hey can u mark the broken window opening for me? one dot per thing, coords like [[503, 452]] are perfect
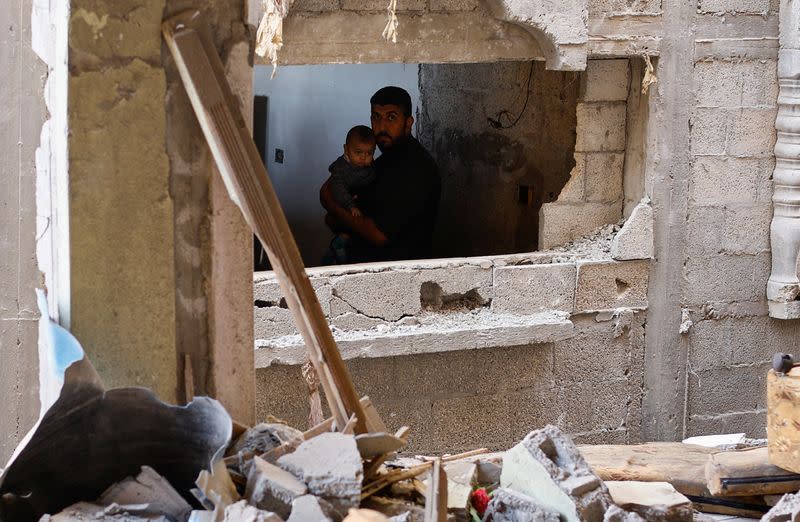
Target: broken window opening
[[560, 174]]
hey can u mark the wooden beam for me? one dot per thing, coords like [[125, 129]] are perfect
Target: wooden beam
[[436, 500], [249, 186]]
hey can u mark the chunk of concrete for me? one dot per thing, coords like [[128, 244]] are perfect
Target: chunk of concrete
[[88, 512], [309, 508], [331, 468], [243, 512], [786, 510], [548, 467], [460, 477], [654, 501], [264, 437], [635, 239], [272, 488], [151, 489], [510, 506], [371, 445], [617, 514]]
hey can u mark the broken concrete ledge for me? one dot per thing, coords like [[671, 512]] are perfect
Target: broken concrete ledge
[[433, 333]]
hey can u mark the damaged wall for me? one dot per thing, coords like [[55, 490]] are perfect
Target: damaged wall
[[485, 170], [21, 120], [161, 258]]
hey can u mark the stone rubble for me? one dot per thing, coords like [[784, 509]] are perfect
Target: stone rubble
[[330, 465], [544, 478], [548, 467]]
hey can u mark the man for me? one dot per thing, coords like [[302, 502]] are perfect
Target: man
[[400, 206]]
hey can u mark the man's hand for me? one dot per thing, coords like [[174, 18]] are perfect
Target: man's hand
[[355, 212], [363, 226]]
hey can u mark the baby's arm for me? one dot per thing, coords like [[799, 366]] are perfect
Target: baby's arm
[[340, 190]]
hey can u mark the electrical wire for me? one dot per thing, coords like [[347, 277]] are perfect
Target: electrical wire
[[496, 122]]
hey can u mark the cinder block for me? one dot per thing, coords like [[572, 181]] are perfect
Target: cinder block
[[635, 239], [605, 80], [601, 406], [300, 6], [269, 292], [600, 127], [752, 423], [380, 5], [733, 6], [454, 425], [392, 294], [721, 180], [560, 223], [532, 288], [747, 229], [751, 132], [710, 346], [593, 355], [726, 278], [705, 226], [281, 392], [455, 5], [736, 83], [599, 7], [754, 340], [532, 409], [727, 390], [574, 191], [604, 177], [604, 285], [708, 130]]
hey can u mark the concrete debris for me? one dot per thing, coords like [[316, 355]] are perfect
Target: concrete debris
[[548, 467], [617, 514], [510, 506], [331, 468], [151, 489], [108, 433], [786, 510], [460, 479], [243, 512], [272, 488], [635, 238], [596, 245], [264, 437], [88, 512], [309, 508], [686, 322], [653, 501], [372, 445]]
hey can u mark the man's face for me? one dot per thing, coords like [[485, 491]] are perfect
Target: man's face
[[389, 125]]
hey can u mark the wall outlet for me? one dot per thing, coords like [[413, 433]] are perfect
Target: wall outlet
[[278, 155]]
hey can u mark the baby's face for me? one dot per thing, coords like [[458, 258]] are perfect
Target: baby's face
[[360, 153]]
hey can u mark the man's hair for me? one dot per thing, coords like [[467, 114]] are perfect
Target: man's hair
[[393, 96], [360, 133]]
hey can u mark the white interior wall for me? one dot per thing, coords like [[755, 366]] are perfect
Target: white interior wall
[[311, 108]]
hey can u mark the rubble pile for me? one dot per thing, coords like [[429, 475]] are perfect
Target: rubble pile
[[275, 473]]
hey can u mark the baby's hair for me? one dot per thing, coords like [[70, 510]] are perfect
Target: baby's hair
[[360, 133]]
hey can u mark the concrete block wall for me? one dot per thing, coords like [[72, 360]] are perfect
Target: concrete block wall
[[593, 196], [727, 259], [589, 382], [589, 385]]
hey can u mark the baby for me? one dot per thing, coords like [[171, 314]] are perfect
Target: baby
[[351, 171]]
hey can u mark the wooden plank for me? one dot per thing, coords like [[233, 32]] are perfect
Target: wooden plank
[[748, 472], [249, 186], [783, 419], [436, 499]]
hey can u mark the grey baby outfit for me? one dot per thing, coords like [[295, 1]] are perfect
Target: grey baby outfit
[[347, 178]]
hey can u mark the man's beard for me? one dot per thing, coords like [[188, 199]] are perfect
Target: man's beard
[[383, 144]]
